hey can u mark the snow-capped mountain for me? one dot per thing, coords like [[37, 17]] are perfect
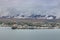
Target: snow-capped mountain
[[15, 13], [17, 8]]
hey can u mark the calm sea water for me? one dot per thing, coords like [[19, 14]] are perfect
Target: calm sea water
[[36, 34]]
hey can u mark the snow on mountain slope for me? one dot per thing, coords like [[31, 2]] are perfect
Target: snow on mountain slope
[[27, 7]]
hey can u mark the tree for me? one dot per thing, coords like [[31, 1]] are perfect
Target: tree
[[53, 24], [0, 22]]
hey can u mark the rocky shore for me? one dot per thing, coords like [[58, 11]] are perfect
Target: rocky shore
[[15, 26]]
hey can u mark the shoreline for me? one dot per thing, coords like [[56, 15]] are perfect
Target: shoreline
[[32, 28]]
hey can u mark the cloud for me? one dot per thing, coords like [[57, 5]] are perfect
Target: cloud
[[30, 6]]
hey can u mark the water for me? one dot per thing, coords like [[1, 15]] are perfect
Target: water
[[36, 34]]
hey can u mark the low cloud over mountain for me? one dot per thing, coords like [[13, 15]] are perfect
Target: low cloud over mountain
[[28, 7]]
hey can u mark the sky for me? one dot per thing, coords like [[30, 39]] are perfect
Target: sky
[[27, 7]]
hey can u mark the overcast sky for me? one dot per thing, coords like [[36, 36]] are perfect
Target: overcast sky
[[40, 6]]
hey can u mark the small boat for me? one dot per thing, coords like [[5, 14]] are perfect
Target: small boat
[[14, 27]]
